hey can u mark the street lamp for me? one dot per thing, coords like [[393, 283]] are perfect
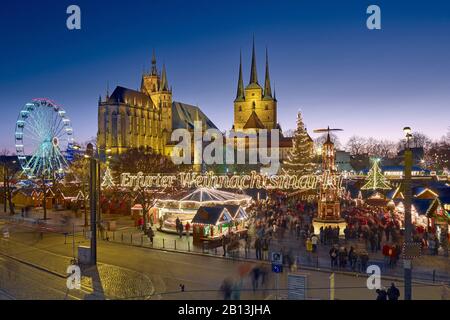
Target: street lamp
[[407, 262], [93, 193]]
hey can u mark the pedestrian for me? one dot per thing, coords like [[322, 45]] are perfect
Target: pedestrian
[[226, 289], [150, 234], [364, 259], [258, 248], [333, 256], [187, 228], [381, 294], [314, 241], [352, 258], [255, 273], [236, 290], [393, 293], [265, 248], [224, 245], [321, 235]]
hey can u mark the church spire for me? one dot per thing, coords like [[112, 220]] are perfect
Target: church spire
[[240, 88], [154, 72], [267, 88], [253, 74], [164, 85]]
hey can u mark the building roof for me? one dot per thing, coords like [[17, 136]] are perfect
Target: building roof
[[236, 212], [129, 96], [254, 122], [184, 115], [421, 205], [212, 215]]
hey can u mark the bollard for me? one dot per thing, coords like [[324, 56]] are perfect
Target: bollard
[[434, 276], [122, 237], [189, 246], [142, 240], [163, 243], [114, 235], [106, 235], [131, 238], [175, 244]]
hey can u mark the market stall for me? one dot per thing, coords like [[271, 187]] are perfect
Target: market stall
[[168, 210], [210, 224], [239, 216]]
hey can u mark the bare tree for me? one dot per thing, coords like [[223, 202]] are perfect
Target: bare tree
[[143, 160], [9, 169], [319, 141], [421, 140], [356, 145], [79, 173]]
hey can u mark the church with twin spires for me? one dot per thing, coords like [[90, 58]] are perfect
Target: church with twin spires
[[146, 117], [255, 107]]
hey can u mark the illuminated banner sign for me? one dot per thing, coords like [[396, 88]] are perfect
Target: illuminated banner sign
[[211, 180]]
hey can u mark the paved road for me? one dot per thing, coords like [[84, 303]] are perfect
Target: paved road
[[201, 275]]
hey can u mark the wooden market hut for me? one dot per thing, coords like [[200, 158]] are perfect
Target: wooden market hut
[[239, 217], [24, 197], [438, 215], [210, 224]]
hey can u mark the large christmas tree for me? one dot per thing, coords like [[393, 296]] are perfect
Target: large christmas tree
[[300, 160], [375, 179]]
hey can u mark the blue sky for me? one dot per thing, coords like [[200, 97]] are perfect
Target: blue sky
[[323, 59]]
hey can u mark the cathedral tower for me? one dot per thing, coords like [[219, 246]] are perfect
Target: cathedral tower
[[156, 86], [255, 107]]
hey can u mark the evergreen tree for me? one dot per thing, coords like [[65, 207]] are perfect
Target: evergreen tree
[[300, 160], [108, 180], [375, 179]]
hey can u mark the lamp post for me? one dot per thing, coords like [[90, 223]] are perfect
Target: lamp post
[[93, 193], [407, 262]]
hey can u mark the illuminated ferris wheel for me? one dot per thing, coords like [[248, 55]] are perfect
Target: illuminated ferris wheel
[[43, 136]]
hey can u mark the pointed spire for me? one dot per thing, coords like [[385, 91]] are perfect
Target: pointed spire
[[267, 88], [240, 88], [154, 72], [164, 85], [107, 90], [253, 73]]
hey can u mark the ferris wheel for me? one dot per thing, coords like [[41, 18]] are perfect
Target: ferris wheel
[[43, 136]]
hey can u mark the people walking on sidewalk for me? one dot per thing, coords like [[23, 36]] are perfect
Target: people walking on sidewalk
[[393, 293], [150, 234], [258, 248], [333, 256]]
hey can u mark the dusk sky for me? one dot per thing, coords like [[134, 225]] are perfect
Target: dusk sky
[[323, 59]]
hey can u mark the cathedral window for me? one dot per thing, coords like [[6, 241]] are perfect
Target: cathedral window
[[240, 108], [267, 107]]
